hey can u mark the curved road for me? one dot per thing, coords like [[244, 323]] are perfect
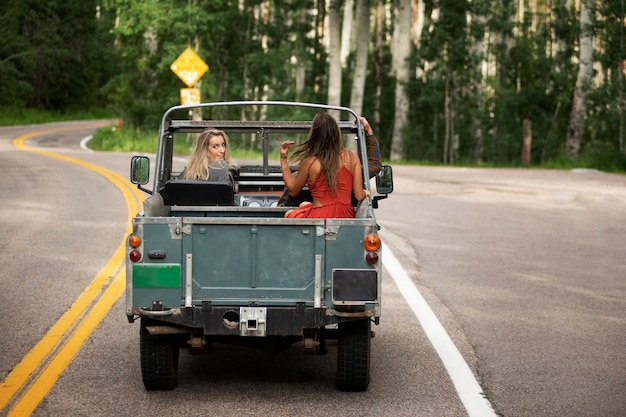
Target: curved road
[[526, 269]]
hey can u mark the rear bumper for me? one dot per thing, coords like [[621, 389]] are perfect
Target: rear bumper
[[251, 321]]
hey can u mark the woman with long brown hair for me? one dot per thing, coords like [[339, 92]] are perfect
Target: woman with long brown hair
[[333, 173]]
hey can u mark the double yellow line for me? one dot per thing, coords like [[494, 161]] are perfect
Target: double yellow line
[[31, 380]]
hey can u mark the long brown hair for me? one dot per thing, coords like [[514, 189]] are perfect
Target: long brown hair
[[324, 143], [200, 162]]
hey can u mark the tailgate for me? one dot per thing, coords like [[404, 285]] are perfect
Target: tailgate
[[234, 260]]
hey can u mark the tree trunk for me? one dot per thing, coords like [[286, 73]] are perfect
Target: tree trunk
[[585, 69], [527, 142], [360, 66], [620, 74], [446, 118], [378, 64], [418, 21], [334, 55], [402, 50], [347, 32], [479, 87], [320, 38], [300, 72]]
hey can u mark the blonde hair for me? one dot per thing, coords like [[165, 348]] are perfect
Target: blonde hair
[[200, 161]]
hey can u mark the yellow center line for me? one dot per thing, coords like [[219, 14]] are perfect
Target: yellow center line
[[110, 278]]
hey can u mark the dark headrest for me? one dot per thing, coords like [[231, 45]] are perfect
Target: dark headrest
[[197, 193]]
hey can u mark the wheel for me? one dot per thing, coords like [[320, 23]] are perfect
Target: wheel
[[159, 360], [353, 355]]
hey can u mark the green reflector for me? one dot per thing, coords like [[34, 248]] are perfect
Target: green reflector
[[156, 275]]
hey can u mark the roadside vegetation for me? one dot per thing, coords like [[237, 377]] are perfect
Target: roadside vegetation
[[598, 156], [118, 138], [452, 82], [16, 115]]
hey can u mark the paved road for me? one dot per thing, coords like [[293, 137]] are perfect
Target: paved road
[[531, 267], [53, 260], [526, 270]]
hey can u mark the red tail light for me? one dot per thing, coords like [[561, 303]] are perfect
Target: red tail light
[[134, 255], [371, 258]]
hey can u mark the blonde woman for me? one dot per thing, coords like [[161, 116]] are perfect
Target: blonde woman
[[210, 159]]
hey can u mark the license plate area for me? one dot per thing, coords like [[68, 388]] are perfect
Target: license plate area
[[355, 286]]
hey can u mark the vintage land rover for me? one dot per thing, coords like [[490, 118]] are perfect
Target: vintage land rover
[[217, 262]]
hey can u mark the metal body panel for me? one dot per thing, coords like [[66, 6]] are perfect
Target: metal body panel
[[232, 261], [252, 261]]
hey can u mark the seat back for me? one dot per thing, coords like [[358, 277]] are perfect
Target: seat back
[[198, 193]]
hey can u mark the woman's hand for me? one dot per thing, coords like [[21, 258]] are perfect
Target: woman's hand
[[284, 148], [366, 126]]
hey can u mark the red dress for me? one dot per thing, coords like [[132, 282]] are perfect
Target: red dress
[[334, 205]]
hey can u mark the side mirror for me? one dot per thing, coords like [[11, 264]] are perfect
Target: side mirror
[[384, 180], [384, 184], [140, 170]]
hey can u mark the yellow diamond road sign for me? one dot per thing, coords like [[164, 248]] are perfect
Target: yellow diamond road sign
[[189, 67]]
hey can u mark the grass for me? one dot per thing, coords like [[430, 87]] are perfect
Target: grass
[[600, 156], [12, 116], [114, 139]]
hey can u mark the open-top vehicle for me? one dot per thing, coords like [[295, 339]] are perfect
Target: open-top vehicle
[[217, 262]]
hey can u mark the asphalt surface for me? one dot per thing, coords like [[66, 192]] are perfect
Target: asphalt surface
[[526, 269], [531, 265]]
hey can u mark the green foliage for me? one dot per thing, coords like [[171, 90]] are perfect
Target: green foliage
[[61, 57], [485, 111], [602, 156], [50, 57], [596, 155]]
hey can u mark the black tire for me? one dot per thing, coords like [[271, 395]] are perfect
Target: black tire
[[159, 360], [353, 355]]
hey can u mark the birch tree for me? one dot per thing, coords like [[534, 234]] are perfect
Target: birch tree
[[334, 55], [299, 53], [378, 62], [585, 71], [402, 50], [347, 33], [360, 64], [480, 89]]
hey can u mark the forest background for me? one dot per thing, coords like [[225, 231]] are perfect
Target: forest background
[[488, 82]]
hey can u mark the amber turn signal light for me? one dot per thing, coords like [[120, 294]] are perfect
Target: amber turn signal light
[[371, 242], [134, 241]]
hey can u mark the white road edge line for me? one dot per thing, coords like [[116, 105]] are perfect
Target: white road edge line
[[84, 142], [467, 387]]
